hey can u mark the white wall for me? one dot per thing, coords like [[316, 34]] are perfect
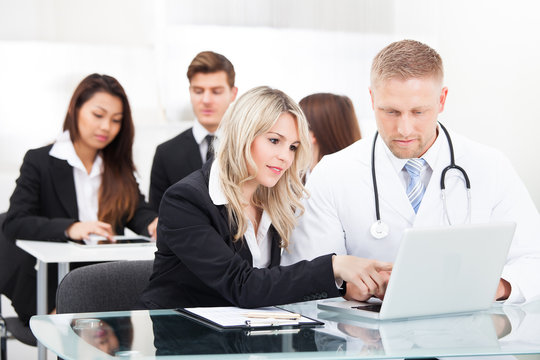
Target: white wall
[[492, 62], [301, 46], [490, 48]]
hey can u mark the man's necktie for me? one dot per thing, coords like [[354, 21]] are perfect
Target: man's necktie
[[415, 189], [210, 141]]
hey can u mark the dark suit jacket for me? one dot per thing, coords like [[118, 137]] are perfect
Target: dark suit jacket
[[198, 263], [173, 161], [42, 207]]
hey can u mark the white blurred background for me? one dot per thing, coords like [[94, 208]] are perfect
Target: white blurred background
[[490, 49]]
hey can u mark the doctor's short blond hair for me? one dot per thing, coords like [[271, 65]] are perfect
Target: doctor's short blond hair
[[404, 60], [254, 114]]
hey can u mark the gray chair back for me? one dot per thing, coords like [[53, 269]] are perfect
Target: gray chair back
[[112, 286]]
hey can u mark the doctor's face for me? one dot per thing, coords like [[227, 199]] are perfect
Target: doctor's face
[[406, 113]]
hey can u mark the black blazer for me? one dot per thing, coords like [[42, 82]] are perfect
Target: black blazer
[[44, 203], [197, 263], [173, 161], [42, 207]]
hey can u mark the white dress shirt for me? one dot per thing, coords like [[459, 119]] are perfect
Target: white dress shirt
[[259, 244], [86, 185], [430, 157], [199, 133]]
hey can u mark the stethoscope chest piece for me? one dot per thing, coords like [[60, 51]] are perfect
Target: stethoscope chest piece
[[379, 230]]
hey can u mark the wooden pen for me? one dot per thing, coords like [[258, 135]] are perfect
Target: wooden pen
[[271, 315]]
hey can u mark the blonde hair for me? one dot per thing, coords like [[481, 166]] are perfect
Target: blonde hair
[[253, 114], [404, 60]]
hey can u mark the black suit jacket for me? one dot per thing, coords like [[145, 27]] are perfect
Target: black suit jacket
[[44, 203], [173, 161], [42, 207], [197, 263]]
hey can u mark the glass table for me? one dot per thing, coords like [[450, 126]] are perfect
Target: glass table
[[168, 334]]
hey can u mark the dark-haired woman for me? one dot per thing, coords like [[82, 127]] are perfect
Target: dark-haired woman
[[332, 123], [82, 184]]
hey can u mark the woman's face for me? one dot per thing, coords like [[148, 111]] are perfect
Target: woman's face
[[99, 334], [99, 121], [274, 151]]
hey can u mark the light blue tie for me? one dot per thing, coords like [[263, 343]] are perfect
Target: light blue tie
[[415, 189]]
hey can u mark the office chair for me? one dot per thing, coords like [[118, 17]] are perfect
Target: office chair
[[111, 286]]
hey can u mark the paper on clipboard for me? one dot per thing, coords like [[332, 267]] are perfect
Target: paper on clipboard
[[228, 317]]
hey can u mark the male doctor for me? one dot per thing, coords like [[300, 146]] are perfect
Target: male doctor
[[407, 94]]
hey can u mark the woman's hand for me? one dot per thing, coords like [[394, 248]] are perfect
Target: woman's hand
[[82, 230], [354, 293], [369, 277], [152, 229]]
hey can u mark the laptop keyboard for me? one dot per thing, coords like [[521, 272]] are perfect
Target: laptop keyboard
[[370, 307]]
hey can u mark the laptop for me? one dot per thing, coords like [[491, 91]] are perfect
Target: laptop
[[439, 271]]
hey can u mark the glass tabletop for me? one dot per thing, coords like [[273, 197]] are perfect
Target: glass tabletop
[[169, 334]]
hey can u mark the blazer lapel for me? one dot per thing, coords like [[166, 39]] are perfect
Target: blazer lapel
[[391, 191], [193, 154], [239, 246], [431, 205], [64, 185], [275, 249]]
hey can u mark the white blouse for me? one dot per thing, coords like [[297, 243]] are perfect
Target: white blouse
[[86, 185], [259, 244]]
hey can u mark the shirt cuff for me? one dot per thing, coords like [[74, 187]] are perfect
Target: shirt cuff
[[342, 287]]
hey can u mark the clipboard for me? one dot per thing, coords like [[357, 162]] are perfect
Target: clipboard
[[235, 318]]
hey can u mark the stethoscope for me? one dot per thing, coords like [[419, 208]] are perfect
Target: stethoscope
[[380, 229]]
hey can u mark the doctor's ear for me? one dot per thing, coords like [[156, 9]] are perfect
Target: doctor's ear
[[442, 98], [371, 95]]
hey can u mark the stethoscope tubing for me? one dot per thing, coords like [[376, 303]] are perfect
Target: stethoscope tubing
[[379, 229]]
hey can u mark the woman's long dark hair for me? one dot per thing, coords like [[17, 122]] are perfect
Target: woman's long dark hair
[[332, 120], [119, 192]]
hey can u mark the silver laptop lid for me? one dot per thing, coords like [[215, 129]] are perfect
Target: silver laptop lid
[[442, 270]]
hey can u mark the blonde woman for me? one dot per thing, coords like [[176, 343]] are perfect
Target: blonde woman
[[221, 229]]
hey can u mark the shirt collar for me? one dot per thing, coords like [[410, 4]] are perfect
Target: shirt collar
[[63, 149], [430, 156], [214, 185], [199, 132]]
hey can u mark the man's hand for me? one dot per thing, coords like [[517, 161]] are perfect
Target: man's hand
[[503, 290]]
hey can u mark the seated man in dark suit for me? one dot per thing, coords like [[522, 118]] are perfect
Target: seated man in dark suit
[[211, 88]]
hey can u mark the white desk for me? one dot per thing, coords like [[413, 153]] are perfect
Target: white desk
[[64, 253]]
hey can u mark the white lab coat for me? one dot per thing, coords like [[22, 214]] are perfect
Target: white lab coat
[[340, 209]]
